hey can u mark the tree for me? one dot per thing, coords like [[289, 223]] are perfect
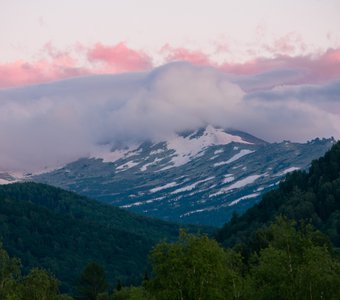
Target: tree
[[37, 285], [318, 276], [92, 282], [196, 268], [40, 285], [9, 274], [132, 293], [297, 264]]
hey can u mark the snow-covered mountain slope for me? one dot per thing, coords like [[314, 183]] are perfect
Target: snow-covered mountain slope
[[6, 178], [193, 177]]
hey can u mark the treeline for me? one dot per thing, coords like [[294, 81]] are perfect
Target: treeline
[[292, 262]]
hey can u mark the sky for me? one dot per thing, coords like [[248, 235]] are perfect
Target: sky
[[44, 40], [26, 26], [80, 75]]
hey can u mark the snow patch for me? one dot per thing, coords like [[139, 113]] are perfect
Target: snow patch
[[165, 168], [218, 151], [142, 202], [288, 170], [163, 187], [243, 198], [228, 178], [4, 181], [191, 186], [107, 155], [245, 181], [158, 151], [127, 166], [154, 162], [221, 163], [237, 156], [197, 211], [238, 184], [8, 178]]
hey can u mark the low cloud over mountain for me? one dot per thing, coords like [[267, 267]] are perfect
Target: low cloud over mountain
[[51, 124]]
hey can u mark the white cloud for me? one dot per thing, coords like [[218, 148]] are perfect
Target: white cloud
[[51, 124]]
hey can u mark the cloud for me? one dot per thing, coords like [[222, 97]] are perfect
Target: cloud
[[56, 123], [289, 44], [21, 73], [172, 54], [269, 79], [119, 58], [325, 97], [57, 65], [317, 69], [282, 68]]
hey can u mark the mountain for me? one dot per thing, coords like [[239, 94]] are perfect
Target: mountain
[[62, 232], [310, 197], [197, 177], [6, 178]]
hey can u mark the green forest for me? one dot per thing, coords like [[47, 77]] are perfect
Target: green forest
[[293, 264], [285, 247], [60, 231]]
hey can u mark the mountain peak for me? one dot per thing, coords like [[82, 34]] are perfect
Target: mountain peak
[[190, 146]]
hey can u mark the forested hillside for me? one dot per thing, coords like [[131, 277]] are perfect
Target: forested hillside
[[62, 232], [312, 197]]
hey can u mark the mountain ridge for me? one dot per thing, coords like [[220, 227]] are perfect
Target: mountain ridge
[[198, 177]]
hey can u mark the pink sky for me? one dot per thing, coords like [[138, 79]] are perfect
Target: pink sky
[[111, 59], [43, 41]]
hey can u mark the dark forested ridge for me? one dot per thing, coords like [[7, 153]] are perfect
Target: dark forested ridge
[[62, 232], [312, 197]]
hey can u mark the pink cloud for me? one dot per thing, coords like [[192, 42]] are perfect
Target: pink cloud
[[61, 64], [119, 58], [316, 69], [20, 73], [326, 67], [182, 54]]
